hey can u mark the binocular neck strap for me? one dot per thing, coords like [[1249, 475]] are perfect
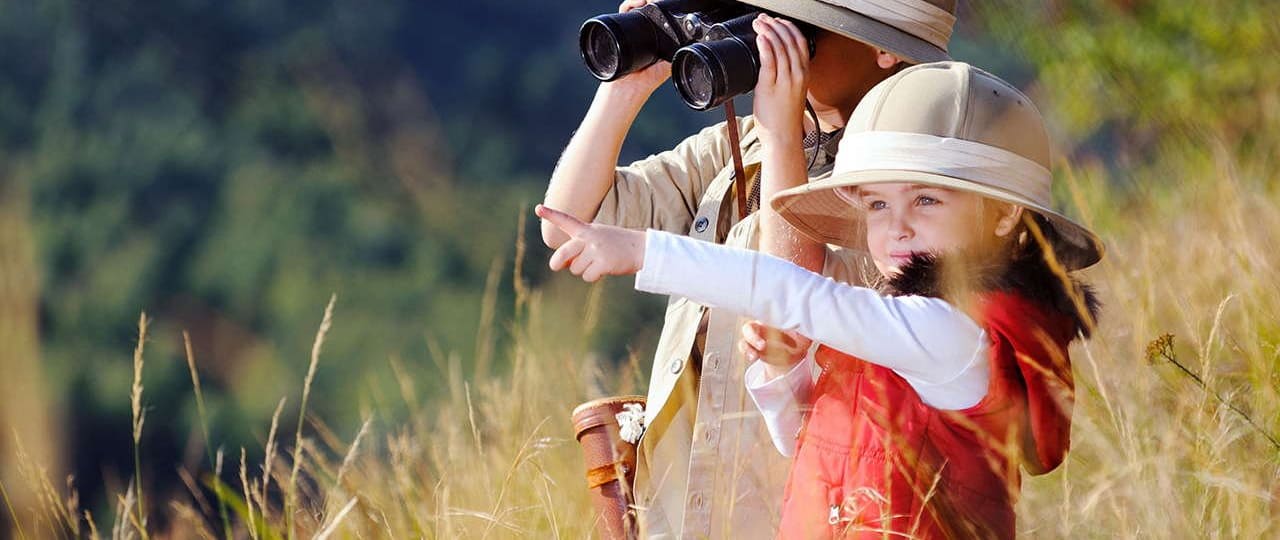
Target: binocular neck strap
[[735, 142], [739, 174]]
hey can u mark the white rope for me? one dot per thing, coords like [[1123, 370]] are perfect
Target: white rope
[[958, 158], [916, 17]]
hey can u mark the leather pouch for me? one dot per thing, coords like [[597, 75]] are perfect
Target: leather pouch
[[610, 461]]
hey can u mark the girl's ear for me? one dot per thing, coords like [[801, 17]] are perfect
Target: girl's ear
[[886, 60], [1010, 216]]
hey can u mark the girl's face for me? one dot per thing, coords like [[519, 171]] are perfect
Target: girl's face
[[904, 219]]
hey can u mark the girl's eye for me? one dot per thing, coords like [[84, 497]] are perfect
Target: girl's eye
[[925, 200], [877, 205]]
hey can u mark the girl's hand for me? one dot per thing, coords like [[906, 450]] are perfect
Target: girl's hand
[[594, 250], [784, 77], [778, 349]]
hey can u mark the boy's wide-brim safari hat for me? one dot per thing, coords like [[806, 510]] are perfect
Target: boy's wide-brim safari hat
[[914, 30], [946, 124]]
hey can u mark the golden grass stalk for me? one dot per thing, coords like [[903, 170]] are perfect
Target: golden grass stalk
[[125, 515], [404, 381], [36, 478], [204, 424], [1162, 349], [190, 517], [521, 456], [194, 489], [337, 520], [269, 458], [517, 271], [350, 458], [8, 504], [252, 524], [290, 490], [139, 417], [488, 308], [72, 502], [93, 527]]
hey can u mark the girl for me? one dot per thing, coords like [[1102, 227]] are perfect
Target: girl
[[938, 386]]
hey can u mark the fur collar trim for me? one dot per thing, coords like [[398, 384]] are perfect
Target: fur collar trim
[[1028, 276]]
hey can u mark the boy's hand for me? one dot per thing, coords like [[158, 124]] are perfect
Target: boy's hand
[[778, 349], [648, 79], [594, 250], [784, 77]]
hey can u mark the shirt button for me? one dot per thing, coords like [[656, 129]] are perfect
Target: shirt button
[[709, 435], [713, 361], [696, 500], [676, 365], [701, 224]]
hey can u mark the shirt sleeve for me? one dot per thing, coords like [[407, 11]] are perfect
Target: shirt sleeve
[[663, 191], [937, 348], [781, 401]]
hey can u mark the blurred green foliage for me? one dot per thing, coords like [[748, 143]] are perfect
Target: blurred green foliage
[[1124, 77], [226, 166]]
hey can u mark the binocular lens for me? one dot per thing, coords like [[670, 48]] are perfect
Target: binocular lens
[[710, 73], [695, 79], [617, 44], [599, 51]]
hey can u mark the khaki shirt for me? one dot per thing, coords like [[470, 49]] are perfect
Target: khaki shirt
[[706, 465]]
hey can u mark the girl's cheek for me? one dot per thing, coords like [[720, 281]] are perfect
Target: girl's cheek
[[875, 241]]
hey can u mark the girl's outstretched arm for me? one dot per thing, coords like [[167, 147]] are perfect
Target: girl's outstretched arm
[[937, 348]]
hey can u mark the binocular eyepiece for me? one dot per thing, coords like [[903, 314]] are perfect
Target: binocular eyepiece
[[710, 44]]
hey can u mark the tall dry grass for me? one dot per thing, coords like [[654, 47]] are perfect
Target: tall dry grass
[[1178, 395], [1178, 402]]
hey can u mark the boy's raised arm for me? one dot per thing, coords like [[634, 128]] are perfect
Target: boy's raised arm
[[779, 109], [585, 172]]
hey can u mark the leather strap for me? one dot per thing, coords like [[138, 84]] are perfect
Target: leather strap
[[739, 175], [604, 474]]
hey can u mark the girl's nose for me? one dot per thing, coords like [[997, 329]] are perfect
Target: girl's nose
[[900, 225]]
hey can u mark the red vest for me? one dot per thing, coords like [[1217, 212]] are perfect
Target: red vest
[[873, 458]]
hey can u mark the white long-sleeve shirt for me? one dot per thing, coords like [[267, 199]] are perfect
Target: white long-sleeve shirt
[[938, 349]]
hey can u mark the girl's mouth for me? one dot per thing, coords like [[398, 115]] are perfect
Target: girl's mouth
[[902, 257]]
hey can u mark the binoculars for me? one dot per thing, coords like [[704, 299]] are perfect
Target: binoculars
[[710, 44]]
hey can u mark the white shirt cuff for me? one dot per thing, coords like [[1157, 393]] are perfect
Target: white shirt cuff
[[650, 274], [781, 401]]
